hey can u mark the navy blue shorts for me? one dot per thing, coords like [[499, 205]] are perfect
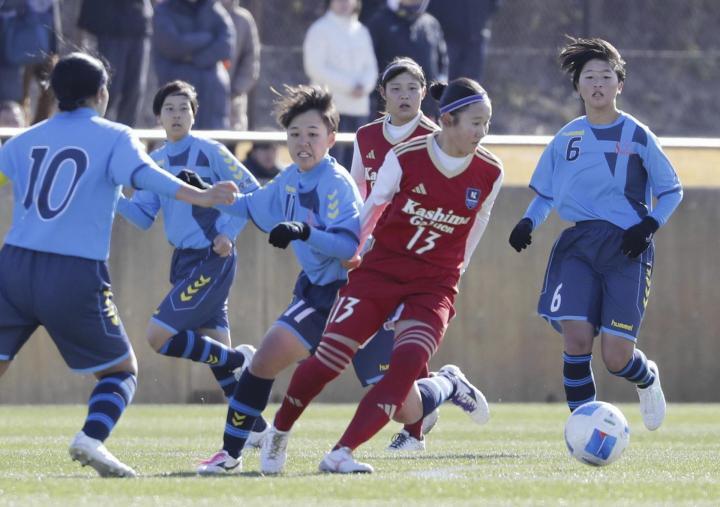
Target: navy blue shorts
[[373, 359], [201, 284], [71, 297], [588, 279], [308, 311], [307, 315]]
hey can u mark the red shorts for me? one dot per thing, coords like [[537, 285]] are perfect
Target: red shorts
[[366, 302]]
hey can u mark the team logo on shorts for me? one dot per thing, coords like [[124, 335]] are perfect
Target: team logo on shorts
[[472, 198]]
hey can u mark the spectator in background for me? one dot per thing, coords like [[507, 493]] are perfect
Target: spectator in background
[[465, 24], [403, 28], [11, 114], [338, 53], [192, 41], [261, 161], [28, 45], [368, 9], [245, 63], [122, 29]]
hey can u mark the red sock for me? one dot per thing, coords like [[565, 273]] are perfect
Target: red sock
[[381, 402], [415, 429], [310, 378]]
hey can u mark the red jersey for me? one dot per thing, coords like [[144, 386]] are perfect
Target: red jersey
[[432, 217], [373, 141]]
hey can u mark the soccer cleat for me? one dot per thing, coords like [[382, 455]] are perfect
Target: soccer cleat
[[248, 351], [256, 438], [341, 461], [652, 401], [429, 421], [404, 441], [220, 463], [89, 451], [466, 396], [273, 453]]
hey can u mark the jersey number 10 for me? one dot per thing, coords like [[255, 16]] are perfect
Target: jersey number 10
[[75, 155]]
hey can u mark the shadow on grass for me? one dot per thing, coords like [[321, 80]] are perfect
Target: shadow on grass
[[436, 456]]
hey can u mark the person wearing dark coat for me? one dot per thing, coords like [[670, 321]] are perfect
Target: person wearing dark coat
[[122, 29], [194, 41], [404, 28], [467, 33]]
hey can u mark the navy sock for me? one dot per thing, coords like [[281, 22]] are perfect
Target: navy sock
[[225, 379], [112, 394], [247, 403], [202, 349], [578, 380], [434, 391], [637, 371]]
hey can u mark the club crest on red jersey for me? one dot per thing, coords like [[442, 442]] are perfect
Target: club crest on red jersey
[[472, 198]]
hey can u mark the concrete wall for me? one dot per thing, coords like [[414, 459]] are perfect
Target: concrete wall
[[496, 337]]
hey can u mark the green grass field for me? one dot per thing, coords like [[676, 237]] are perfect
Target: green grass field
[[519, 458]]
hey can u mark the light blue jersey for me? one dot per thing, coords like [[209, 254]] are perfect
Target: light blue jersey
[[327, 199], [67, 173], [188, 226], [604, 172]]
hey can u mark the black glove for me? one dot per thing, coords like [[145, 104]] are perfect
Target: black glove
[[192, 179], [520, 236], [285, 232], [637, 238]]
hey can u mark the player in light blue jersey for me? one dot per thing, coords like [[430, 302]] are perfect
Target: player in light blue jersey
[[192, 322], [67, 174], [314, 206], [601, 171]]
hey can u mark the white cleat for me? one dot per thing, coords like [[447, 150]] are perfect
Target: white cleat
[[341, 461], [248, 351], [403, 441], [273, 453], [429, 421], [467, 396], [220, 463], [256, 438], [89, 451], [652, 401]]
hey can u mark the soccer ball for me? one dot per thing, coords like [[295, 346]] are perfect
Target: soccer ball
[[597, 433]]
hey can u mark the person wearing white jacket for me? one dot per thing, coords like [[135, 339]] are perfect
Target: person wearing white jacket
[[338, 53]]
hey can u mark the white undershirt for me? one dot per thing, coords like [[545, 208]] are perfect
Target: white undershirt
[[398, 132], [450, 164]]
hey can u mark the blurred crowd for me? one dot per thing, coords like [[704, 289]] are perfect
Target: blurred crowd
[[215, 45]]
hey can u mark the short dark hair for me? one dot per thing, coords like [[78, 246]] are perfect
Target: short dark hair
[[77, 77], [577, 52], [176, 87], [302, 98], [400, 65], [447, 93]]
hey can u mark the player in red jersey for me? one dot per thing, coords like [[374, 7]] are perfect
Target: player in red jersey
[[435, 194], [403, 87]]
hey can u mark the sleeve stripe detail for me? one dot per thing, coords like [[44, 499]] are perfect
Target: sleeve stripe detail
[[671, 191], [134, 172], [541, 194]]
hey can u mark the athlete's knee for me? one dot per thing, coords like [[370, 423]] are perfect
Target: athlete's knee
[[336, 351], [578, 337], [157, 336], [129, 365], [616, 358]]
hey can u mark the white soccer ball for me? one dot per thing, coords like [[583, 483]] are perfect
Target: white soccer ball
[[597, 433]]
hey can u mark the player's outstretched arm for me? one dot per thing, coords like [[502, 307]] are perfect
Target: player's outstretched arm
[[222, 192]]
